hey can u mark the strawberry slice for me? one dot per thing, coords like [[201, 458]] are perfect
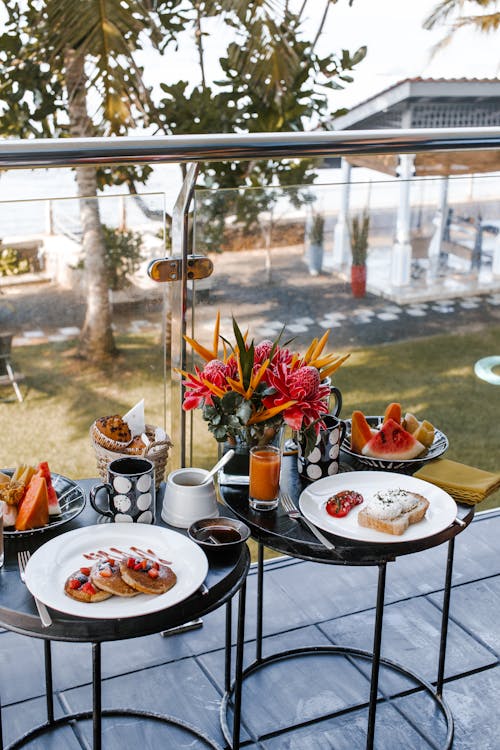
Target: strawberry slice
[[74, 583], [106, 573], [85, 571], [88, 588], [153, 573]]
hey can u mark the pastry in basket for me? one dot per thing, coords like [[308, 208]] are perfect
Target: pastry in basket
[[147, 576], [393, 510], [136, 447], [105, 575], [79, 586], [111, 432]]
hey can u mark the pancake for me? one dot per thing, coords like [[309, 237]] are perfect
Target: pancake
[[147, 576], [106, 576], [79, 586]]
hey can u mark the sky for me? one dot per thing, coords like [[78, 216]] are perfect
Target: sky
[[398, 48]]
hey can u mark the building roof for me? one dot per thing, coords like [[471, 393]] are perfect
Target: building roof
[[430, 103]]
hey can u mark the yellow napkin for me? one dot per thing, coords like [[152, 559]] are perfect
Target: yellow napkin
[[464, 483]]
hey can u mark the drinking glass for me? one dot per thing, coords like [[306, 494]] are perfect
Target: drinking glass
[[265, 466]]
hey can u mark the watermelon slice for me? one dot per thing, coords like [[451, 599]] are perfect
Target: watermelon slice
[[44, 471], [392, 442], [34, 511]]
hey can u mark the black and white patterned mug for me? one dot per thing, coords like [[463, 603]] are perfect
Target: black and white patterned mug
[[130, 491], [324, 459]]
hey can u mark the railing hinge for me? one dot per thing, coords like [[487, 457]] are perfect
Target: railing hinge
[[170, 269]]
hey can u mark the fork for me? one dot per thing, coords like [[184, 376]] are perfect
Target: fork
[[22, 560], [293, 512]]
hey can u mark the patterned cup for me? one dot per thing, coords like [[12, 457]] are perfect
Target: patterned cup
[[323, 460], [130, 491]]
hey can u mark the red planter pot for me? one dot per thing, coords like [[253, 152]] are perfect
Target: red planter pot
[[358, 281]]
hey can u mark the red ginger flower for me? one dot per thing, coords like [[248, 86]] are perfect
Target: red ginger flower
[[302, 386], [215, 371]]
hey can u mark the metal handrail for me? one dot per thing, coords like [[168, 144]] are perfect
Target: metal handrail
[[72, 152]]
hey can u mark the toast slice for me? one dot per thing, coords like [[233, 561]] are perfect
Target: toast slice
[[392, 511]]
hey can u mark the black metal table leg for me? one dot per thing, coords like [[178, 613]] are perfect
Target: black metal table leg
[[49, 693], [260, 599], [227, 658], [238, 677], [96, 696], [377, 641], [446, 615]]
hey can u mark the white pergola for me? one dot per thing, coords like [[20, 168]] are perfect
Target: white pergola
[[419, 103]]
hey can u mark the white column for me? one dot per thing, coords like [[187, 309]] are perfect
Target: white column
[[401, 250], [341, 246], [434, 249], [496, 256]]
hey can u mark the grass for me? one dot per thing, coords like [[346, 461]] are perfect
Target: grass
[[433, 378]]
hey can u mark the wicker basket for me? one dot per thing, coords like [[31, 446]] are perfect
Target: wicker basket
[[157, 452]]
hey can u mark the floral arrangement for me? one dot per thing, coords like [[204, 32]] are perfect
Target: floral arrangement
[[251, 390]]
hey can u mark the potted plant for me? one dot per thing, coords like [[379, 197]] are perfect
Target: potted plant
[[315, 244], [360, 226]]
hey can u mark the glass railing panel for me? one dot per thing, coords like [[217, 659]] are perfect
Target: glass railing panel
[[429, 313], [43, 306]]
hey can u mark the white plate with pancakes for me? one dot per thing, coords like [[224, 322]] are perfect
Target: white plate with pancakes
[[440, 514], [59, 558]]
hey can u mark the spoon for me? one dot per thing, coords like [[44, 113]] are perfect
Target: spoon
[[225, 458]]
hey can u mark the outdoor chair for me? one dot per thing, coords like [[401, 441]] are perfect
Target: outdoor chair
[[8, 376]]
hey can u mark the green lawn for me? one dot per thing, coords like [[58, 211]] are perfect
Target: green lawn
[[432, 377]]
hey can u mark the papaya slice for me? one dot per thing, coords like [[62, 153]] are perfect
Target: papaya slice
[[34, 511], [394, 443], [360, 431], [393, 411]]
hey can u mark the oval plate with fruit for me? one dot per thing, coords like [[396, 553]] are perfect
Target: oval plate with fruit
[[71, 500], [387, 436]]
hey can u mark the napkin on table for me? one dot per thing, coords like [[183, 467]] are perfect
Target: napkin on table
[[464, 483]]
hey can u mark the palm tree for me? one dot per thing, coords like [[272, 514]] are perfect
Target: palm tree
[[460, 14], [62, 55]]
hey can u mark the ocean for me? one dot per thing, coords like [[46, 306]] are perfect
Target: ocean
[[26, 195]]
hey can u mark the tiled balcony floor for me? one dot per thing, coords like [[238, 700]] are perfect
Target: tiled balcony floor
[[305, 604]]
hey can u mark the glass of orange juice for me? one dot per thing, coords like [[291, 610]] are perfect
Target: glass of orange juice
[[265, 466]]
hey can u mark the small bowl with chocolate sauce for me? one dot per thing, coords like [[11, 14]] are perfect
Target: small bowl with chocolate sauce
[[219, 536]]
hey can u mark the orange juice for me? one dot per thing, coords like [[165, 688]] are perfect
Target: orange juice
[[265, 464]]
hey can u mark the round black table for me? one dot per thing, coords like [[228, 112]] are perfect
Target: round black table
[[226, 577], [279, 532]]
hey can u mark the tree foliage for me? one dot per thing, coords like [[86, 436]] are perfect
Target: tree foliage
[[456, 14]]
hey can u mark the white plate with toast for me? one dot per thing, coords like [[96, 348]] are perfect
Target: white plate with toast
[[50, 566], [440, 514]]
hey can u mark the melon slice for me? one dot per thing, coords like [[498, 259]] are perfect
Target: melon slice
[[410, 423], [392, 442], [34, 511], [54, 507], [360, 431], [393, 411], [425, 433], [9, 514]]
